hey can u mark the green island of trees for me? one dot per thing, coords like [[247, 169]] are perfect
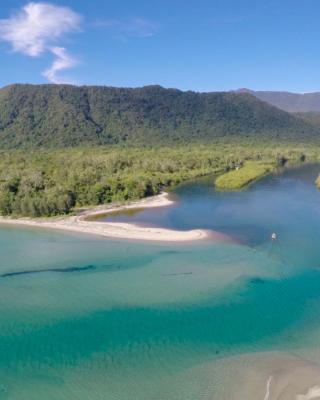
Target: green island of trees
[[242, 176], [318, 182]]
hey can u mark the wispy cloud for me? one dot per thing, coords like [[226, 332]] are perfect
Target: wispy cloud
[[62, 61], [133, 27], [35, 29]]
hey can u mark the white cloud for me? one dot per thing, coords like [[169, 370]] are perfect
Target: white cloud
[[134, 27], [62, 61], [36, 27]]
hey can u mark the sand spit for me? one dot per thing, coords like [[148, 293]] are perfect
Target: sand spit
[[82, 224]]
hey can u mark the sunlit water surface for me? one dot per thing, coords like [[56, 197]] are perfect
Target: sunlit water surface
[[88, 318]]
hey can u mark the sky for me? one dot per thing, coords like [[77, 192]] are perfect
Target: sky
[[201, 45]]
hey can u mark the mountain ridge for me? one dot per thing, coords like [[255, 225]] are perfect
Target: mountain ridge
[[288, 101], [51, 115]]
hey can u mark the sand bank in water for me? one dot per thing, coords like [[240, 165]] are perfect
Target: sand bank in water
[[82, 224], [265, 376]]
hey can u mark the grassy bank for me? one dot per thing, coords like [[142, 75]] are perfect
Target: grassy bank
[[53, 182], [241, 177]]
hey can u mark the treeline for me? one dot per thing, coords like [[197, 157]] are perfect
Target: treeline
[[48, 183]]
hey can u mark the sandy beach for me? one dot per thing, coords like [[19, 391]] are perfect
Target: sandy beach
[[277, 375], [265, 376], [81, 223]]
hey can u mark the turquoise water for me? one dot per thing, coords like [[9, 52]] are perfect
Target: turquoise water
[[84, 318]]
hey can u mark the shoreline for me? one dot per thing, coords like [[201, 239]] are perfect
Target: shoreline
[[118, 230]]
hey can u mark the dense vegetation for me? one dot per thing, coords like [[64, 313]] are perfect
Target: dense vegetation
[[64, 147], [311, 117], [242, 176], [52, 182], [64, 116]]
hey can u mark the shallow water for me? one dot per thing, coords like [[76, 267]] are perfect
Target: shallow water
[[83, 318]]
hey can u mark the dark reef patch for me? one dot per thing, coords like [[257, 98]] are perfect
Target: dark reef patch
[[39, 271], [257, 281]]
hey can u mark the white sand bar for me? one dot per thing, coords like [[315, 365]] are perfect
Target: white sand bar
[[80, 223]]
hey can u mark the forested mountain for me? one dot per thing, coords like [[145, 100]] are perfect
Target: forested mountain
[[63, 116], [291, 102], [48, 180]]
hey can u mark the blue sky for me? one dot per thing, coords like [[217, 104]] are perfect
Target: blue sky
[[202, 45]]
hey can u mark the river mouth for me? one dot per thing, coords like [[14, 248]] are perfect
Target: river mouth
[[92, 319], [250, 216]]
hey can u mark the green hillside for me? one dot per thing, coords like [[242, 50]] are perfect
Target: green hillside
[[64, 116], [310, 117]]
